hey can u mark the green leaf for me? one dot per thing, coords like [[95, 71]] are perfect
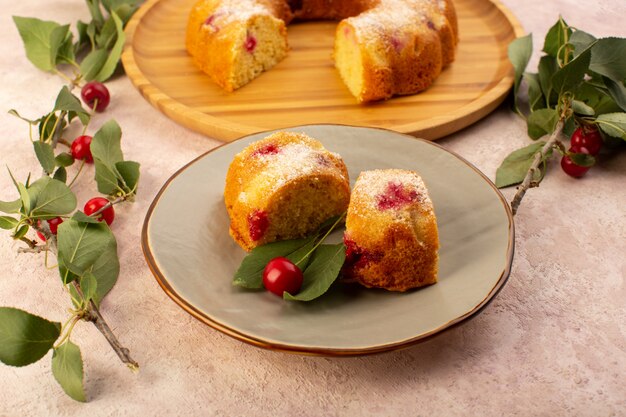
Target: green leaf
[[569, 126], [541, 122], [515, 166], [60, 175], [321, 273], [613, 124], [547, 67], [46, 125], [580, 41], [11, 207], [89, 286], [302, 256], [92, 64], [35, 34], [51, 197], [63, 159], [617, 91], [580, 107], [45, 155], [519, 51], [69, 102], [80, 245], [608, 57], [7, 222], [572, 74], [24, 337], [582, 159], [27, 203], [96, 13], [66, 51], [106, 38], [105, 144], [250, 272], [535, 94], [556, 38], [79, 216], [67, 368], [106, 269], [21, 232], [129, 171], [116, 52], [58, 37], [105, 178]]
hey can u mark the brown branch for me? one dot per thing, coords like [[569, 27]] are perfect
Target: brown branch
[[540, 156], [93, 313], [31, 244]]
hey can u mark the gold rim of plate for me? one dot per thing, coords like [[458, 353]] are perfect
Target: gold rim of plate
[[320, 351], [305, 88]]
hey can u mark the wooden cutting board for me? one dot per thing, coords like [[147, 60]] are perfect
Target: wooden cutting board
[[305, 88]]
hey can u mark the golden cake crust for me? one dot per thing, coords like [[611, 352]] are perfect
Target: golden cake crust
[[402, 45], [289, 184], [391, 232]]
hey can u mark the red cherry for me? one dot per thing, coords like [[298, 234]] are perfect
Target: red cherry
[[571, 168], [53, 224], [81, 148], [586, 140], [280, 275], [96, 204], [93, 91]]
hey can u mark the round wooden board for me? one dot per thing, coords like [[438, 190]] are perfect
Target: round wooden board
[[305, 88]]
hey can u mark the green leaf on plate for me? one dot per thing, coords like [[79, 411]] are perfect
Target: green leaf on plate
[[321, 272], [541, 122], [24, 337], [515, 166], [250, 272], [67, 368], [35, 34], [519, 51], [613, 124], [45, 155]]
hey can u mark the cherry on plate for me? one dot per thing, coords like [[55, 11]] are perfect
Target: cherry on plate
[[96, 204], [280, 275]]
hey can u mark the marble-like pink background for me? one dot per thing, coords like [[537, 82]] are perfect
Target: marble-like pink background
[[552, 343]]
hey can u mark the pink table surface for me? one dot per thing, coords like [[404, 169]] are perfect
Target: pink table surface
[[552, 342]]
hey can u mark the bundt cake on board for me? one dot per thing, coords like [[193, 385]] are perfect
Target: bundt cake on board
[[382, 47], [391, 232], [283, 187]]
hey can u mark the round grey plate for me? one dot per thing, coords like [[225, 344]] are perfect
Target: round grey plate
[[186, 243]]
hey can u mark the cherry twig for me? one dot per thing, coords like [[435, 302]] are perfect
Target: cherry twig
[[540, 156]]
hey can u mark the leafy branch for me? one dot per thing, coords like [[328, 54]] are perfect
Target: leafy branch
[[580, 84], [84, 246]]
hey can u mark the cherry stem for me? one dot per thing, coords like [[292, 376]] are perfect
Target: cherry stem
[[82, 164], [319, 242], [529, 180]]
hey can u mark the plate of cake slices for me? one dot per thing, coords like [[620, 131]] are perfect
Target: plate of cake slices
[[433, 235], [231, 68]]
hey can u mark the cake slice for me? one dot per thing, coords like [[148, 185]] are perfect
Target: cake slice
[[391, 233]]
